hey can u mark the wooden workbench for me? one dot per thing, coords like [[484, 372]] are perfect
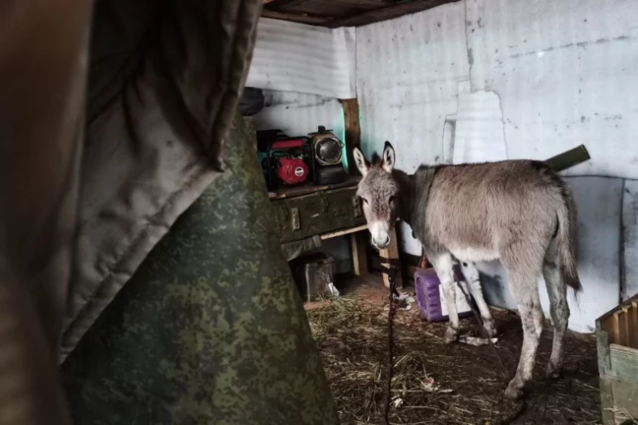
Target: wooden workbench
[[328, 212]]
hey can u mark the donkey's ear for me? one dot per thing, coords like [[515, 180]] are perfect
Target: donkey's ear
[[360, 160], [388, 157]]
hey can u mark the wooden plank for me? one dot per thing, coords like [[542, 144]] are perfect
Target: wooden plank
[[407, 267], [626, 326], [352, 130], [607, 400], [624, 362], [358, 248], [615, 309], [606, 324], [625, 401], [343, 232], [634, 325], [277, 4], [390, 256], [303, 18], [615, 328], [602, 348], [623, 332], [386, 13], [289, 192]]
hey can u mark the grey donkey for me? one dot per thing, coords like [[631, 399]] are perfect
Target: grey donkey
[[517, 211]]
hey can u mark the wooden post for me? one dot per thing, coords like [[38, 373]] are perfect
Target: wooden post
[[358, 245], [358, 240], [353, 138], [390, 256], [353, 131]]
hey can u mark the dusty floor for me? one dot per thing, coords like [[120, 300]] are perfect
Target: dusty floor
[[352, 335]]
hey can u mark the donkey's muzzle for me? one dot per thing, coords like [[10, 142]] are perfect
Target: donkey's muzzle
[[381, 243]]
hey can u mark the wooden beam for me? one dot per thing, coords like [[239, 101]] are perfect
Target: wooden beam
[[386, 13], [343, 232], [302, 18], [389, 256], [358, 249], [352, 130], [279, 3]]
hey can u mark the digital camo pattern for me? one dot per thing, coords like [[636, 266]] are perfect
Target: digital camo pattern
[[210, 330]]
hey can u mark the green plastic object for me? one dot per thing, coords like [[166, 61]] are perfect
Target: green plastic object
[[569, 158]]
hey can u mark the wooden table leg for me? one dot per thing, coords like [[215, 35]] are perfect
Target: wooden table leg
[[392, 253], [358, 244]]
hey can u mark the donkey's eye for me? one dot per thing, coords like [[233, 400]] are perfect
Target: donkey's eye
[[391, 199]]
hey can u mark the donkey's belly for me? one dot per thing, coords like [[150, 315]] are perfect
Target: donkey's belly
[[474, 254]]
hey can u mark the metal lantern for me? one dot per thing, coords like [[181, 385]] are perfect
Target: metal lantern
[[327, 148]]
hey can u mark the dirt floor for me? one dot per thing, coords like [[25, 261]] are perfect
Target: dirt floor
[[435, 383]]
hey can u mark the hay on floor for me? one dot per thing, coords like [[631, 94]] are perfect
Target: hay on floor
[[435, 383]]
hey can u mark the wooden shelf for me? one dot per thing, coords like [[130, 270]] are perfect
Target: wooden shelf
[[308, 189]]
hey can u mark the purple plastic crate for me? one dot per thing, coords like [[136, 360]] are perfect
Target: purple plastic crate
[[430, 298]]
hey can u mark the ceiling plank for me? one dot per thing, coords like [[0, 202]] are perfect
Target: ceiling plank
[[386, 13], [280, 3], [303, 18]]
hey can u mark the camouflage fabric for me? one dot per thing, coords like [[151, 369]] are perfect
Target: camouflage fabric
[[210, 329]]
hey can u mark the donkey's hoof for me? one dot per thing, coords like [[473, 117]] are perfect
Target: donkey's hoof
[[451, 335], [513, 392], [490, 329], [553, 371]]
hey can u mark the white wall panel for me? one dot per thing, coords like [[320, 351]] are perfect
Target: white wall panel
[[566, 74], [479, 134], [408, 71], [298, 114], [303, 58]]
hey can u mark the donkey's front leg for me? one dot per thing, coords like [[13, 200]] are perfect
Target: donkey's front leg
[[471, 274], [443, 266]]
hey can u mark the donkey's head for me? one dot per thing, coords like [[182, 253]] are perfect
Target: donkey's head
[[377, 191]]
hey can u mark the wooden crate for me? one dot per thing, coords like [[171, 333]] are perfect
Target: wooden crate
[[617, 340], [321, 212]]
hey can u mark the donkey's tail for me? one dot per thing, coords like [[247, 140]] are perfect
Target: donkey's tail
[[567, 240]]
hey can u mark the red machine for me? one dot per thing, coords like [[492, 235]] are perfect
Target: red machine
[[292, 170], [286, 161]]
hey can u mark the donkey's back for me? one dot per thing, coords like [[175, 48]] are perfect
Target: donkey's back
[[482, 212]]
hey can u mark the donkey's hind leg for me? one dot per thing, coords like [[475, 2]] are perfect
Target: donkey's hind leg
[[471, 274], [523, 283], [559, 309]]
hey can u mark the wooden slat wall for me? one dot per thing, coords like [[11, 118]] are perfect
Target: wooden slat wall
[[621, 325]]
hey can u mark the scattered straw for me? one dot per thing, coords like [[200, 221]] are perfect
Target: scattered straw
[[435, 383]]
